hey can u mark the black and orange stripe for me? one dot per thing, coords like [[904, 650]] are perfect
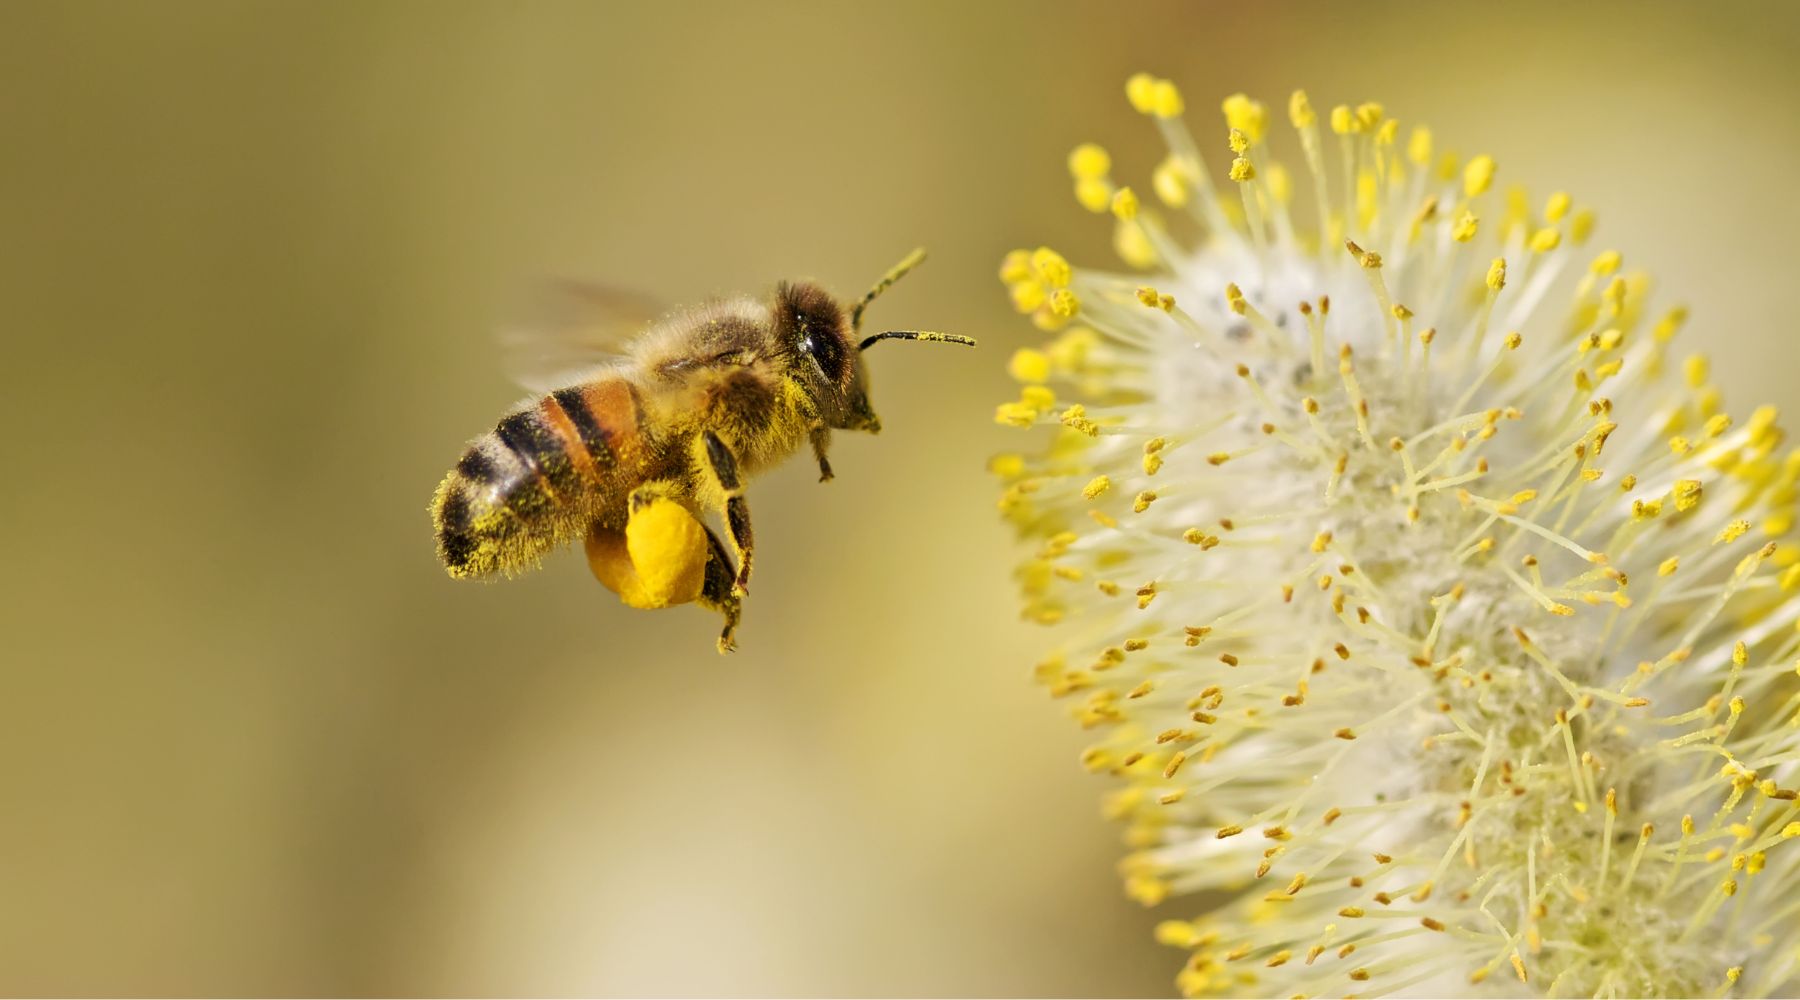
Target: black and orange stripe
[[537, 478]]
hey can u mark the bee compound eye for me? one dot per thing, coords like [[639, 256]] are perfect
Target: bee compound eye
[[828, 352]]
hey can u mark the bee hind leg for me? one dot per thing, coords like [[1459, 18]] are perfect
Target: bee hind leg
[[716, 592]]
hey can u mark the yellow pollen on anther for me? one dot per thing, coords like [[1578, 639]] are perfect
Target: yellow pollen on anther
[[1465, 228], [1478, 175], [1125, 204], [1095, 487]]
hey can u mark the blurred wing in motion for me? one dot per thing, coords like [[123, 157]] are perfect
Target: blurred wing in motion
[[568, 331]]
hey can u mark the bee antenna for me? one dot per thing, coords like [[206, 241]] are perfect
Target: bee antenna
[[925, 335], [894, 274]]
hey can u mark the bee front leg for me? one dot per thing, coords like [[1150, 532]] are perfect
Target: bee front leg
[[821, 438], [716, 593], [737, 511]]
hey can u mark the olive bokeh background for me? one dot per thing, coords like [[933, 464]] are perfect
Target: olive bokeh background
[[252, 740]]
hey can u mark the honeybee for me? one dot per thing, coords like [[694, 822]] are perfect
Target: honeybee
[[633, 440]]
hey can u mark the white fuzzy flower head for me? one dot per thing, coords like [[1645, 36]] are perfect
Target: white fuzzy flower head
[[1425, 607]]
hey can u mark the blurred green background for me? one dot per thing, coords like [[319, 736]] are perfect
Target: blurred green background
[[253, 740]]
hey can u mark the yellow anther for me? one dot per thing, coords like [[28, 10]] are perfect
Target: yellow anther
[[1387, 132], [1463, 230], [1668, 566], [1581, 226], [1670, 324], [1007, 466], [1027, 295], [1143, 501], [1557, 207], [1241, 170], [1717, 424], [1015, 415], [1166, 100], [1234, 297], [1300, 110], [1418, 146], [1545, 240], [1606, 263], [1496, 275], [1695, 368], [1096, 486], [1064, 303], [1089, 160], [1075, 418], [1237, 141], [1170, 182], [1051, 267], [1732, 532], [1177, 934], [1125, 204], [1015, 266], [1687, 494], [1028, 365], [1343, 122], [1478, 176], [1140, 90], [1037, 397], [1247, 116], [1093, 193], [1513, 340], [1368, 115]]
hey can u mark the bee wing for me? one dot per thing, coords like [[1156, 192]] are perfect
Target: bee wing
[[569, 330]]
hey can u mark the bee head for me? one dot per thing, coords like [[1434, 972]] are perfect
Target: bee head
[[808, 318], [811, 324]]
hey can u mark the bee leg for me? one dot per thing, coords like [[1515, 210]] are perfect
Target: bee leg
[[716, 592], [737, 510], [821, 437]]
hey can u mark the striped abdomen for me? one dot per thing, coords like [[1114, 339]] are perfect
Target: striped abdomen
[[537, 479]]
